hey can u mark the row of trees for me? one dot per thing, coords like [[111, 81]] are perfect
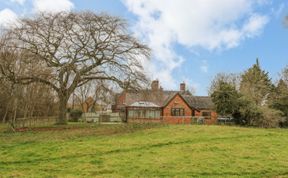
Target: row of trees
[[65, 51], [25, 101], [39, 100], [252, 98]]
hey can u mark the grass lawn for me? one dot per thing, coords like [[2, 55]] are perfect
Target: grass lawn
[[145, 151]]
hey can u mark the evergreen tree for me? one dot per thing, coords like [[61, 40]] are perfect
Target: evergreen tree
[[280, 99], [249, 113], [256, 84], [225, 99], [251, 104], [284, 75]]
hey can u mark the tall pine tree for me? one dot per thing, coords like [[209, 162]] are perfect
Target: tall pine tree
[[225, 98], [256, 84], [280, 99]]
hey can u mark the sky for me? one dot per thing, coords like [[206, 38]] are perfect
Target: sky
[[191, 40]]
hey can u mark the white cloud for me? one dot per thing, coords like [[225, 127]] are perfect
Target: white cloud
[[7, 18], [52, 5], [204, 66], [21, 2], [208, 24], [254, 26]]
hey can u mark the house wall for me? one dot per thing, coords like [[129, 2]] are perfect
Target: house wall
[[144, 120], [120, 101], [177, 102], [212, 120], [121, 98]]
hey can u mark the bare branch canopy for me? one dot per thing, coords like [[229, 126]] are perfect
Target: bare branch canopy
[[72, 49]]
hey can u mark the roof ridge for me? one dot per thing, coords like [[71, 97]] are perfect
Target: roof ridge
[[202, 96]]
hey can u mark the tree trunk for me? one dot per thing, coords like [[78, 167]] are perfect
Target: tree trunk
[[13, 123], [5, 115], [63, 100]]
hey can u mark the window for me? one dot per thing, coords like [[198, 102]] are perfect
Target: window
[[131, 113], [193, 113], [152, 114], [142, 113], [157, 114], [177, 112], [206, 114]]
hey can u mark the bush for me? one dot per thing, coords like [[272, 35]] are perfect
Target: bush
[[270, 118], [248, 112], [284, 122], [75, 115], [259, 116]]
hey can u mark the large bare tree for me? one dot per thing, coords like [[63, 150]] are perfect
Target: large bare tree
[[74, 48]]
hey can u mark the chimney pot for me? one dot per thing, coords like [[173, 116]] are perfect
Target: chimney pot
[[182, 86], [155, 85]]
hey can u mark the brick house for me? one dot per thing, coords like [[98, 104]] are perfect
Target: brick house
[[158, 105]]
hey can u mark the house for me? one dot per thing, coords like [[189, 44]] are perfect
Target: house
[[89, 105], [158, 105]]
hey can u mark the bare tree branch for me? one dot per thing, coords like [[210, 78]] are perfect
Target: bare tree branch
[[71, 49]]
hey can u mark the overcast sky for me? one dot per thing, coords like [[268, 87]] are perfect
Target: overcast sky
[[191, 40]]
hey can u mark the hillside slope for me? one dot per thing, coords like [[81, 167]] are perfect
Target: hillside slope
[[167, 151]]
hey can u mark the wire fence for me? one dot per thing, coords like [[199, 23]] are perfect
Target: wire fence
[[29, 122], [117, 117]]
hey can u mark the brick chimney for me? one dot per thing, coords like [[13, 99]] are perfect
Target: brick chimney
[[182, 86], [155, 85]]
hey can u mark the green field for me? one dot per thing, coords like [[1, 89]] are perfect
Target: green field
[[145, 151]]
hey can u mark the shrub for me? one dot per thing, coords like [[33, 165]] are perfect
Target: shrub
[[248, 112], [75, 115], [270, 118], [260, 116]]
